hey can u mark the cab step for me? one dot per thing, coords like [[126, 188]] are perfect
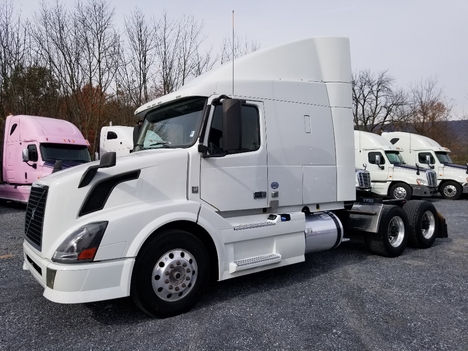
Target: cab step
[[252, 262]]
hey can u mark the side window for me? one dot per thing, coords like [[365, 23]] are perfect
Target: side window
[[111, 135], [250, 130], [371, 157], [422, 157], [13, 128], [32, 152]]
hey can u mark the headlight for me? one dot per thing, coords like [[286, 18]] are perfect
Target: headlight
[[420, 181], [82, 244]]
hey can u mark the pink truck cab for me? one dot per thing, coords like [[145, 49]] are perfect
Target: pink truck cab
[[31, 147]]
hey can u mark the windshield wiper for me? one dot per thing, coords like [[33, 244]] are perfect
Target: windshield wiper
[[161, 142]]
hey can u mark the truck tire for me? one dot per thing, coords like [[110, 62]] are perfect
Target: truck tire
[[423, 223], [392, 236], [450, 190], [170, 273], [400, 191]]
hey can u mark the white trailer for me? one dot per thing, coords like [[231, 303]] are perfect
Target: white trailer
[[390, 175], [452, 178], [230, 178]]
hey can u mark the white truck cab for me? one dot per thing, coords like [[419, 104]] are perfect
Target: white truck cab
[[118, 139], [452, 178], [229, 178], [390, 175]]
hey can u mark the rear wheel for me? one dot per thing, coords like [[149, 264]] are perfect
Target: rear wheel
[[450, 190], [392, 237], [170, 273], [423, 223], [400, 191]]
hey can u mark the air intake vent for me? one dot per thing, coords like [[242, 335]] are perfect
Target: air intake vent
[[35, 215]]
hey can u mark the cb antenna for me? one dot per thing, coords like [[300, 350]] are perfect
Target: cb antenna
[[233, 48]]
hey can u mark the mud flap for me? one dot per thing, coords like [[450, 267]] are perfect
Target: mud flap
[[442, 232]]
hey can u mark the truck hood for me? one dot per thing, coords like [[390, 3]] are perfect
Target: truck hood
[[141, 178], [453, 165]]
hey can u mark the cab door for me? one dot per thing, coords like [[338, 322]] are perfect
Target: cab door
[[381, 171], [235, 178]]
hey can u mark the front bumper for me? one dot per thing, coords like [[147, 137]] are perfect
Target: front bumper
[[465, 188], [79, 283], [423, 190]]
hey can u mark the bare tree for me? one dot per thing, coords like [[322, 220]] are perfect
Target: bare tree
[[137, 72], [81, 49], [13, 51], [178, 50], [428, 111], [241, 47], [99, 64], [59, 47], [375, 103]]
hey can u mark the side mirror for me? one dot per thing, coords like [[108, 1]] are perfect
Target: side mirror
[[428, 162], [107, 160], [25, 154], [232, 114], [377, 162]]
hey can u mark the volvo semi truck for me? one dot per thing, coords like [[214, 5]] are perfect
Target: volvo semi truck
[[231, 175]]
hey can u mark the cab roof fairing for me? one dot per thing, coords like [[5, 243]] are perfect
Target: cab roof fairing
[[307, 60]]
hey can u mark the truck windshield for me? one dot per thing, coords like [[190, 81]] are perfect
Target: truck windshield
[[173, 125], [394, 157], [65, 152], [443, 157]]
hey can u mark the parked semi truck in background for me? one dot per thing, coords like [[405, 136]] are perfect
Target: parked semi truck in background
[[452, 178], [118, 139], [31, 147], [390, 175], [229, 178]]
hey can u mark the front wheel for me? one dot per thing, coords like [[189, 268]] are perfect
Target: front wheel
[[400, 191], [450, 190], [423, 223], [169, 273], [392, 237]]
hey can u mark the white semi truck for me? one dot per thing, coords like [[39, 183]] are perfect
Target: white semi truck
[[118, 139], [452, 178], [230, 177], [390, 175]]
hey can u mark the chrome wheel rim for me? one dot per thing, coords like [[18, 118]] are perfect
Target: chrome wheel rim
[[400, 193], [450, 191], [396, 231], [174, 275], [428, 224]]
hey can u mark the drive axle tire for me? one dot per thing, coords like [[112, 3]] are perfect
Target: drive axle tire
[[400, 191], [450, 190], [423, 223], [392, 237], [170, 273]]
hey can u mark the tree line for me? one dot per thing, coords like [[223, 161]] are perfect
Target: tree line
[[75, 63]]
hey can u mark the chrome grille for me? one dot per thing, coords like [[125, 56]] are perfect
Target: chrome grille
[[431, 178], [363, 179], [35, 215]]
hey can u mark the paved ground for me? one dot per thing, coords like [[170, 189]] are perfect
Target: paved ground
[[345, 299]]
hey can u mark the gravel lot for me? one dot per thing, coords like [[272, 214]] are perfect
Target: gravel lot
[[345, 299]]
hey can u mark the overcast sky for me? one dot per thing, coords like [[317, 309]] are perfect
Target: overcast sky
[[411, 39]]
